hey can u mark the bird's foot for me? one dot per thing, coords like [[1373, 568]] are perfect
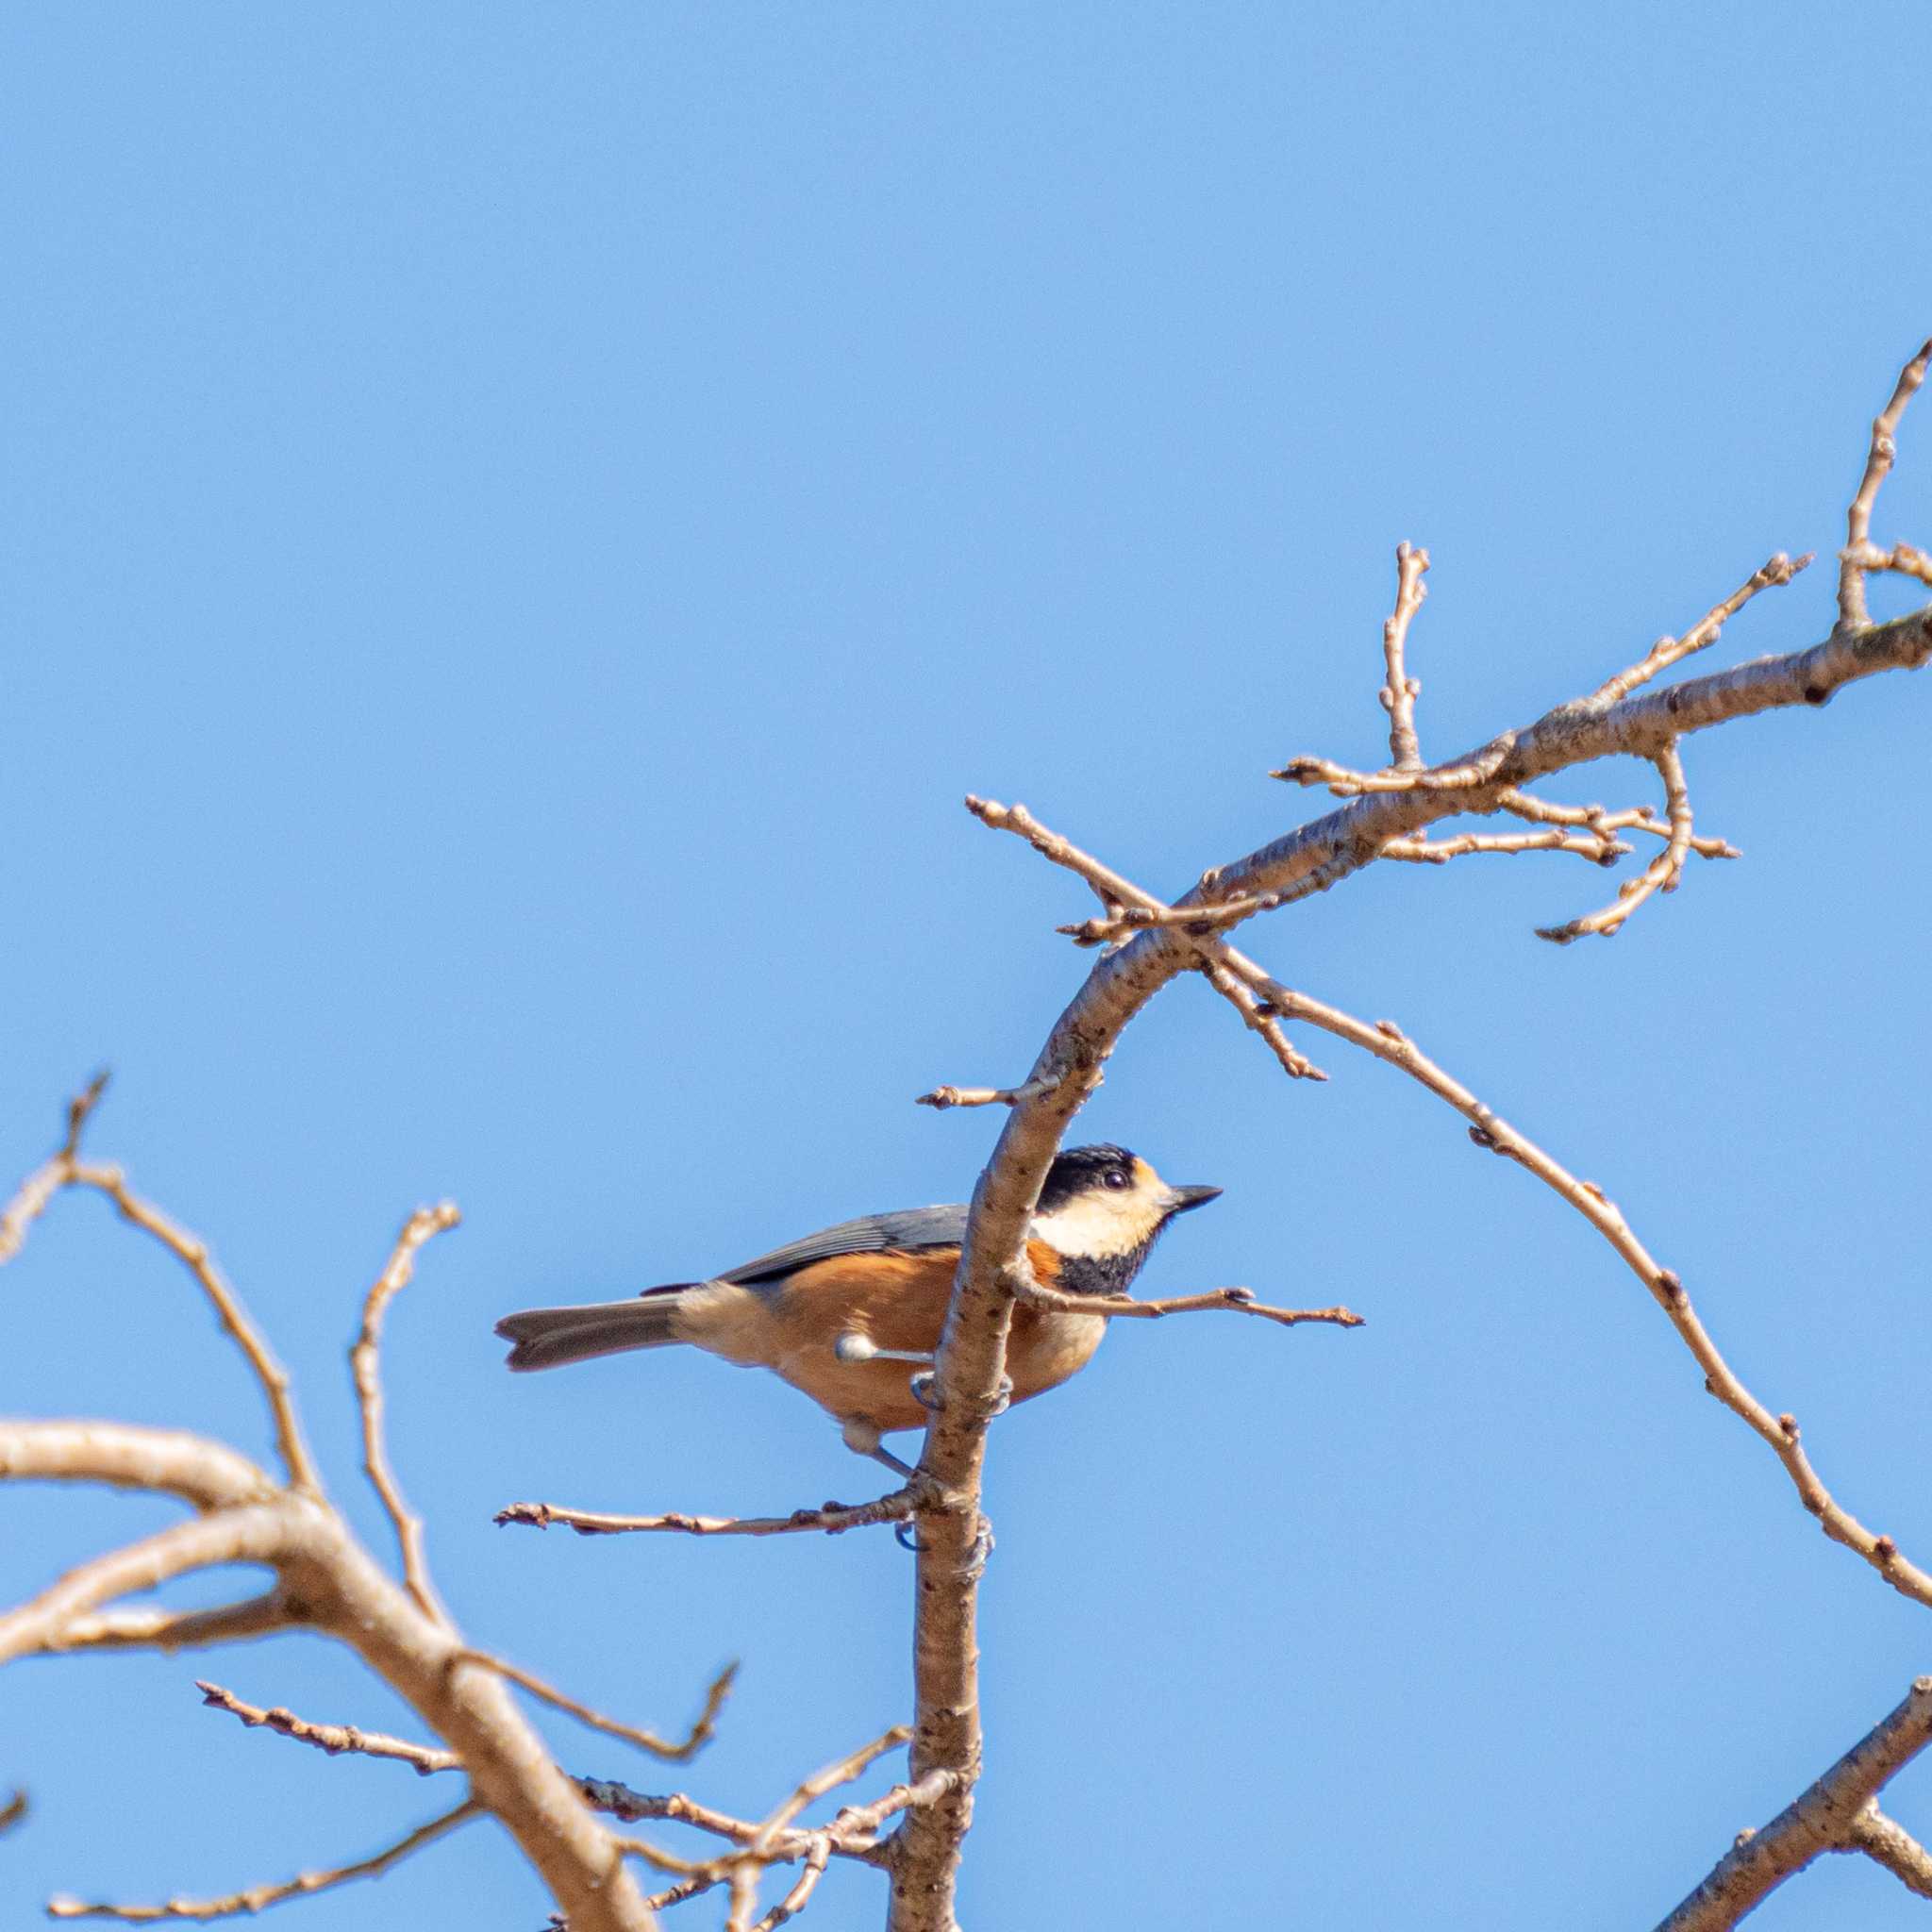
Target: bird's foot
[[925, 1394], [976, 1562]]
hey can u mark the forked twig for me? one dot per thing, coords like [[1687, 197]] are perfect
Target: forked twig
[[1837, 1813], [1660, 876]]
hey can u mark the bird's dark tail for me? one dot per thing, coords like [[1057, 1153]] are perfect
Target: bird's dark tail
[[548, 1337]]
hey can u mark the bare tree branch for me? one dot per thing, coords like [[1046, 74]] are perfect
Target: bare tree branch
[[1824, 1818], [943, 1097], [1258, 1019], [1489, 1130], [325, 1581], [701, 1733], [1505, 845], [832, 1519], [365, 1366], [851, 1835], [1778, 570], [193, 1253], [171, 1630], [1400, 691], [1241, 1300], [1605, 825], [1887, 1843], [1901, 559], [257, 1898], [1660, 876], [334, 1739], [34, 1195], [168, 1461], [816, 1859], [14, 1812], [1646, 723], [254, 1533], [1852, 567]]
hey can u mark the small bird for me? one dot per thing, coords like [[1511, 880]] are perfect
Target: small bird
[[840, 1313]]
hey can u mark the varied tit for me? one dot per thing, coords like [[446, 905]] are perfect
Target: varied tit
[[840, 1312]]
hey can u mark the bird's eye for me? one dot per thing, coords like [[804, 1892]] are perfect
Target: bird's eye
[[1115, 1177]]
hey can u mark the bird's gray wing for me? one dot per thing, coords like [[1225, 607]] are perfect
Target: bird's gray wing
[[871, 1233]]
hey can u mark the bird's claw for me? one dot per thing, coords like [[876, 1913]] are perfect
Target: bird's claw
[[924, 1393], [907, 1538]]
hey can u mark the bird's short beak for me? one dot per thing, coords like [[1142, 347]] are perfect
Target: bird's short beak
[[1181, 1199]]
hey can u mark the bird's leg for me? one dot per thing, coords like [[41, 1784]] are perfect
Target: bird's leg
[[854, 1347], [862, 1438]]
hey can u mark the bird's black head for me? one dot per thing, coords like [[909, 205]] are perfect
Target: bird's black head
[[1101, 1207]]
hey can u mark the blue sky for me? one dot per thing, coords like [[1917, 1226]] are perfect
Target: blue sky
[[522, 525]]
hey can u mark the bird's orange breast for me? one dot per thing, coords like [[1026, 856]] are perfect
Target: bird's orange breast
[[896, 1301]]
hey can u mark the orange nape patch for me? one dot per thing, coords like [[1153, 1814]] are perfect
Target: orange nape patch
[[895, 1300]]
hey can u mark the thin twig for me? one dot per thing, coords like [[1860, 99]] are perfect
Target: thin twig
[[829, 1777], [1126, 920], [1660, 876], [1604, 824], [816, 1859], [1400, 691], [619, 1800], [833, 1519], [1466, 774], [1120, 892], [1261, 1019], [694, 1740], [610, 1796], [193, 1253], [858, 1822], [365, 1365], [1240, 1301], [31, 1198], [1852, 613], [1428, 851], [853, 1833], [943, 1097], [334, 1739], [693, 1886], [257, 1898], [14, 1811], [1777, 570], [1489, 1130], [66, 1169], [748, 1866]]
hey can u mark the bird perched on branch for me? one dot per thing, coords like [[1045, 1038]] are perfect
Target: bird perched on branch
[[840, 1314]]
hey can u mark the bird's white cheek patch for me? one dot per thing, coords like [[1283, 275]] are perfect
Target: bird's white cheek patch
[[1096, 1224]]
